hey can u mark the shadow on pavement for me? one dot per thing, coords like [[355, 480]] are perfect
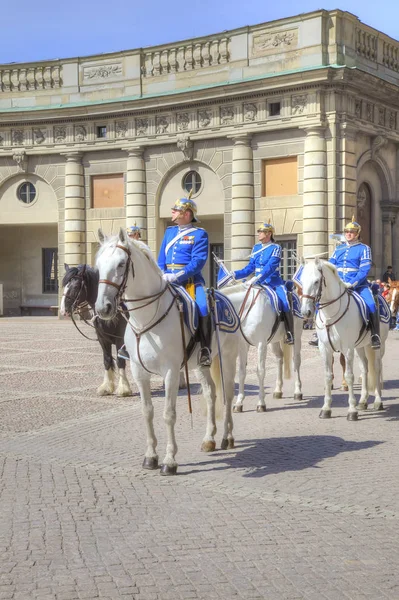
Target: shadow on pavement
[[262, 457]]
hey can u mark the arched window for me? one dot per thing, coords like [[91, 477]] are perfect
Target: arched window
[[192, 181], [363, 215], [26, 192]]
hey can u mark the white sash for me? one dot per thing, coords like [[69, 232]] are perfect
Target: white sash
[[177, 237], [257, 252]]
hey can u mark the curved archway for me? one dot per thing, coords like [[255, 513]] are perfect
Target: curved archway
[[363, 205]]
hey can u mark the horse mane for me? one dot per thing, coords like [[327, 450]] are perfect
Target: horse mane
[[232, 289], [141, 246]]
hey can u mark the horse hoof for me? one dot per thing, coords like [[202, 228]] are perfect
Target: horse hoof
[[237, 408], [362, 406], [167, 470], [325, 414], [345, 388], [227, 444], [298, 396], [208, 446], [103, 392], [379, 406], [261, 408], [278, 395], [150, 463], [352, 416]]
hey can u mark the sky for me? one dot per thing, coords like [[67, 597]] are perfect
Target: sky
[[34, 30]]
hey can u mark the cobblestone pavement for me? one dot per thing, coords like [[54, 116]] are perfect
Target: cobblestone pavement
[[302, 508]]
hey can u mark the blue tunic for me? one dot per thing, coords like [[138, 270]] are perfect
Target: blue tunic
[[265, 262], [186, 258], [353, 263]]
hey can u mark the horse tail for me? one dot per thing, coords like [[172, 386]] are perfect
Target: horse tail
[[371, 379], [287, 359], [215, 374]]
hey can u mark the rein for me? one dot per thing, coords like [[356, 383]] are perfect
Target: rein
[[242, 319]]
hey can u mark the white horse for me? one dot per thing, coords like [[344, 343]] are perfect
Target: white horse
[[340, 328], [154, 341], [258, 320]]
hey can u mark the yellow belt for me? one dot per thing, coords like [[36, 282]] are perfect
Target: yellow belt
[[175, 266]]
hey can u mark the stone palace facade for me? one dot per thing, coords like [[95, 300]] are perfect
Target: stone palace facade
[[293, 121]]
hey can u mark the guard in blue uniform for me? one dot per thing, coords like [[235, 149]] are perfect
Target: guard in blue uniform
[[183, 254], [265, 262], [353, 262], [134, 232]]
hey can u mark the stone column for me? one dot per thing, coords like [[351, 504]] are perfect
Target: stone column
[[388, 212], [315, 207], [136, 199], [242, 202], [347, 177], [75, 219]]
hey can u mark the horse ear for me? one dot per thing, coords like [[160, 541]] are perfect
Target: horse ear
[[101, 236], [66, 267], [122, 236], [317, 261]]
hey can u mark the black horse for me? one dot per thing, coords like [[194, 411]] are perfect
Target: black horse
[[80, 293]]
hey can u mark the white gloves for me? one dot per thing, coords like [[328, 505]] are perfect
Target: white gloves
[[250, 282], [169, 277], [348, 285]]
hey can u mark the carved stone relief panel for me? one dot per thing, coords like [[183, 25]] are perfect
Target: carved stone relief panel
[[370, 112], [182, 121], [269, 42], [250, 112], [381, 116], [121, 129], [392, 119], [102, 72], [17, 137], [227, 115], [162, 125], [59, 134], [358, 109], [142, 126], [298, 104], [204, 118], [80, 133], [39, 136], [1, 140]]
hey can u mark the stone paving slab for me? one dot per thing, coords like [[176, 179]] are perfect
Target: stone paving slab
[[301, 508]]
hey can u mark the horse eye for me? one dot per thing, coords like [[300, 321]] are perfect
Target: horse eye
[[121, 264]]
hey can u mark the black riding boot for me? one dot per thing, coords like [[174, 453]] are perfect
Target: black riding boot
[[205, 335], [375, 330], [289, 327]]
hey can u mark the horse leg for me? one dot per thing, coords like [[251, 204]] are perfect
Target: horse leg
[[327, 356], [352, 411], [343, 365], [262, 353], [169, 464], [229, 367], [209, 396], [182, 381], [108, 385], [123, 388], [297, 361], [361, 352], [279, 354], [377, 355], [242, 371], [143, 383]]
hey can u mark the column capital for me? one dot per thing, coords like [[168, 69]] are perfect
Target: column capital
[[73, 156], [319, 130], [241, 139], [135, 151]]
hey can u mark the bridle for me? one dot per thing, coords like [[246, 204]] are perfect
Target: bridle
[[122, 286], [76, 305]]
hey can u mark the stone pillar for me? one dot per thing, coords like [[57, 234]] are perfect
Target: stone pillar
[[315, 207], [75, 218], [347, 177], [136, 199], [389, 211], [242, 202]]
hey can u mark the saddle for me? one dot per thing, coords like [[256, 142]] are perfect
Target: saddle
[[276, 302], [384, 310], [226, 316]]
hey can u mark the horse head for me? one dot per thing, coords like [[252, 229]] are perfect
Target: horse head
[[80, 288], [320, 282]]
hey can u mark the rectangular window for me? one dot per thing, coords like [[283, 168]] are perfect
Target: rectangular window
[[102, 131], [280, 176], [50, 270], [107, 191], [274, 109], [218, 250], [288, 263]]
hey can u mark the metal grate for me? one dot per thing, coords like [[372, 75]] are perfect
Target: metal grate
[[50, 270]]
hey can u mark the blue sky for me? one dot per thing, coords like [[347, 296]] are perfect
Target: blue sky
[[44, 29]]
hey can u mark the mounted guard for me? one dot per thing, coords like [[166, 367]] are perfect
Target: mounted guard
[[183, 254], [353, 262], [265, 261]]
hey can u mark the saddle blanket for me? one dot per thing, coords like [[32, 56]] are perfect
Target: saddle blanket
[[276, 302], [385, 311], [226, 315]]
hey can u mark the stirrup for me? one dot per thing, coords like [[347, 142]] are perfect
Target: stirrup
[[314, 340], [375, 341], [123, 353], [204, 357], [289, 338]]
